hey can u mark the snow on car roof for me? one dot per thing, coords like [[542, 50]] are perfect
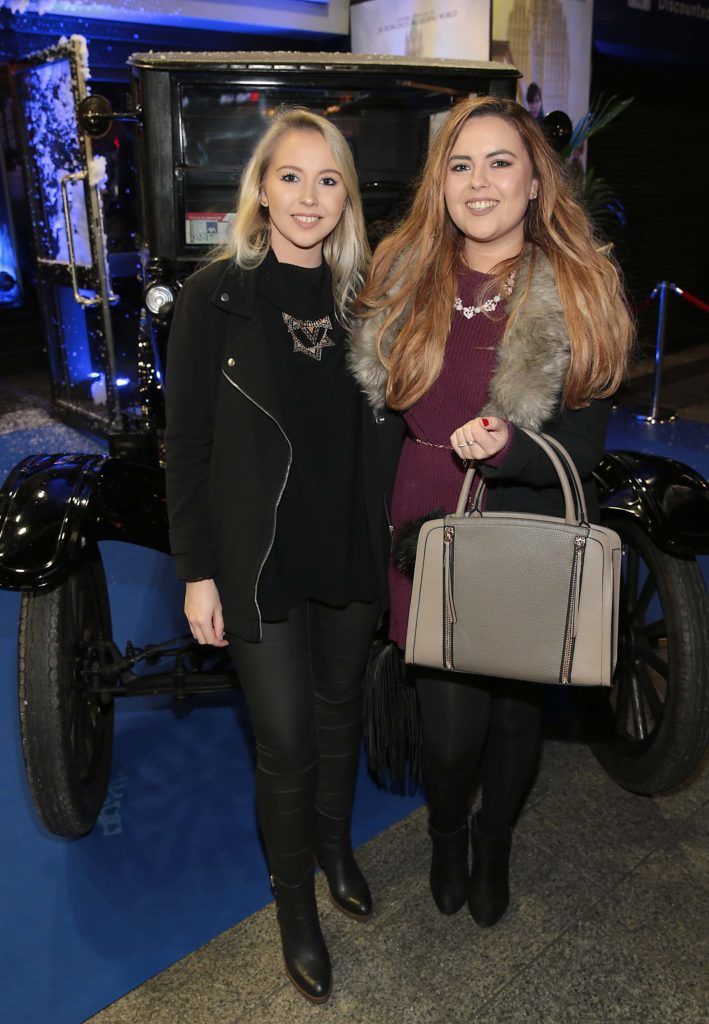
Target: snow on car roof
[[286, 59]]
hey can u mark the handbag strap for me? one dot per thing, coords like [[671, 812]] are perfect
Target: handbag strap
[[465, 491], [575, 511], [573, 475]]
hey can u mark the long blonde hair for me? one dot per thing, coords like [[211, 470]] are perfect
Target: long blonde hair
[[345, 250], [425, 279]]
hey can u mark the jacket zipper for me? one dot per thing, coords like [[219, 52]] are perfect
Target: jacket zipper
[[449, 615], [278, 499], [573, 608], [377, 420]]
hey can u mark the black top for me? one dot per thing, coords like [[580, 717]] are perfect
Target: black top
[[321, 549]]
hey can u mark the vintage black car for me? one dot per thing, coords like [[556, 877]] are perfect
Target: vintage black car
[[107, 296]]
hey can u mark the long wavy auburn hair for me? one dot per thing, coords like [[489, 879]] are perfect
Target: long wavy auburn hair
[[414, 271], [345, 250]]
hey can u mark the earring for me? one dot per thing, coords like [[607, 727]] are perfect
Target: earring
[[534, 195]]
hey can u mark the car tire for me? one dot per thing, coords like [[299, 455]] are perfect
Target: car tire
[[66, 730], [650, 730]]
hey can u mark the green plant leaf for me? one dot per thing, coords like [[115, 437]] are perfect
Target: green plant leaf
[[601, 112]]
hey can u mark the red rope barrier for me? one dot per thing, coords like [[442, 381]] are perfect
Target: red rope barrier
[[646, 303], [691, 298], [656, 413]]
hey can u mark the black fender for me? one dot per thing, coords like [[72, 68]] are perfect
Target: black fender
[[54, 507], [668, 499]]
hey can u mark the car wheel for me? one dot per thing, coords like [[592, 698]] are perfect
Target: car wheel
[[650, 730], [66, 730]]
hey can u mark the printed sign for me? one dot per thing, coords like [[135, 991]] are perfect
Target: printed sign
[[550, 42], [207, 228], [422, 28]]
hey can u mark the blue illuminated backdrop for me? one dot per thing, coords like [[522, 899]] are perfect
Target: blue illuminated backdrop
[[9, 274], [653, 31], [285, 16]]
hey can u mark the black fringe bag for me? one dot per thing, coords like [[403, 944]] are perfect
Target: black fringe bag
[[391, 721], [391, 718]]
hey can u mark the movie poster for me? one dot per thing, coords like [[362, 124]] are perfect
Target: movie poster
[[550, 42], [459, 29]]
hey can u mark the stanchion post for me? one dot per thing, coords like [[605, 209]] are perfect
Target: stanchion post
[[657, 414], [659, 350]]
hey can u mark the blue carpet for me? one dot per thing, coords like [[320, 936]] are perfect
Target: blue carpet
[[175, 858]]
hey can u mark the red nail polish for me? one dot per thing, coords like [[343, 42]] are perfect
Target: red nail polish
[[486, 423]]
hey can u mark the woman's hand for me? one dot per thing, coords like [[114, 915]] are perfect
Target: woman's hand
[[204, 613], [480, 438]]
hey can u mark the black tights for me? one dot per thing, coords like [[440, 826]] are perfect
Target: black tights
[[469, 718], [303, 685]]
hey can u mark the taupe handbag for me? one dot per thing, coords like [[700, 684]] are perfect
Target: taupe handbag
[[518, 596]]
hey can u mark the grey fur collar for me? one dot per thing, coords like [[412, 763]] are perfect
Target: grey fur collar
[[532, 359]]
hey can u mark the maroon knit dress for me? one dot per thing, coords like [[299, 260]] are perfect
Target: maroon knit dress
[[429, 478]]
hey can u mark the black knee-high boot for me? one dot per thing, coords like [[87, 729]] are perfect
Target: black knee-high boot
[[333, 850], [489, 893], [305, 954], [449, 877]]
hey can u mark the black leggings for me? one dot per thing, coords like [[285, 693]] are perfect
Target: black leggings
[[469, 719], [303, 685]]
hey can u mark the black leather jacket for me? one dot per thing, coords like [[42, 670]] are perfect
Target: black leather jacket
[[228, 457]]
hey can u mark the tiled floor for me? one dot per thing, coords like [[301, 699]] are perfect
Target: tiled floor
[[684, 383], [608, 923]]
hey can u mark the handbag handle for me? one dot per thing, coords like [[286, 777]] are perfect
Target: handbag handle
[[575, 511], [573, 475]]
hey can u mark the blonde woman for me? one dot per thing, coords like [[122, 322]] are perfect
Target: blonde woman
[[276, 517], [489, 307]]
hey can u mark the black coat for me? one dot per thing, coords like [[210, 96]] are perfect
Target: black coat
[[527, 482], [227, 455]]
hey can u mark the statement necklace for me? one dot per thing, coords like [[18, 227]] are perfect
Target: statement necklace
[[489, 305], [315, 332]]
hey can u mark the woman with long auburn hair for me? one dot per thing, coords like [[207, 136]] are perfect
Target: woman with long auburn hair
[[490, 307], [277, 524]]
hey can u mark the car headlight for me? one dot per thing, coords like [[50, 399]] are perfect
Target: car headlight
[[159, 299]]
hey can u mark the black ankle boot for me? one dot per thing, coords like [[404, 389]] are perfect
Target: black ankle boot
[[304, 951], [450, 874], [489, 893], [333, 850]]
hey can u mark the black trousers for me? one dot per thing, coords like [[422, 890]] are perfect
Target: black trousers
[[303, 685], [471, 721]]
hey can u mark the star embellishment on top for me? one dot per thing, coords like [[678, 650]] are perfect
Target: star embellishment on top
[[315, 332]]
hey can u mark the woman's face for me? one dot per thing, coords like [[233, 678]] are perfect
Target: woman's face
[[305, 196], [488, 186]]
